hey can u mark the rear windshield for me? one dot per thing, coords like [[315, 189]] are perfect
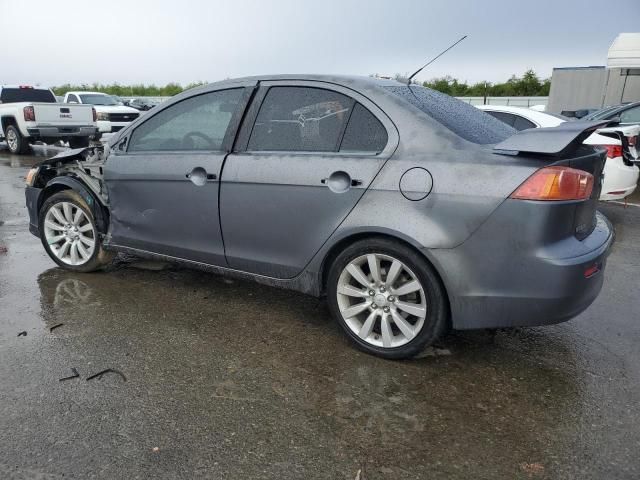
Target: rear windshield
[[15, 95], [461, 118]]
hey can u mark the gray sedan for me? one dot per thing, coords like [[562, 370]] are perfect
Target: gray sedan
[[410, 211]]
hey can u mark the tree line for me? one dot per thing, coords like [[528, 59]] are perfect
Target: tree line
[[528, 85], [137, 90]]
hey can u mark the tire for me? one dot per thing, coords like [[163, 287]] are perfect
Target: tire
[[78, 142], [77, 249], [17, 144], [376, 328]]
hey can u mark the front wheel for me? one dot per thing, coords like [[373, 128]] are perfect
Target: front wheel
[[387, 299], [69, 234], [15, 141]]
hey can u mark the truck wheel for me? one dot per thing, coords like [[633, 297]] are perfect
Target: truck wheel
[[16, 142], [79, 142]]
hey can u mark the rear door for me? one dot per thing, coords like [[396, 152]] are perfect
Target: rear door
[[306, 153], [163, 176]]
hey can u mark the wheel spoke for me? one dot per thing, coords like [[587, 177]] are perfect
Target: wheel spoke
[[411, 308], [86, 227], [393, 272], [55, 210], [409, 287], [352, 291], [355, 309], [77, 216], [74, 253], [356, 272], [62, 251], [55, 239], [84, 253], [367, 326], [89, 242], [374, 267], [53, 226], [387, 335], [66, 208], [404, 326]]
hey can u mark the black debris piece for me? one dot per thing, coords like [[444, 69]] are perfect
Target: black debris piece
[[108, 370], [22, 334], [56, 326], [75, 375]]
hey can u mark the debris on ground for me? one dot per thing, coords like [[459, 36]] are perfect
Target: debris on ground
[[108, 370], [3, 249], [434, 352], [22, 333], [75, 375], [532, 469], [56, 326]]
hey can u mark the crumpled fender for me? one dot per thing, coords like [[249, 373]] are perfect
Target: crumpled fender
[[95, 204]]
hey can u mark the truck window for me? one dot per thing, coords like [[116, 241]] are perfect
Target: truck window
[[15, 95]]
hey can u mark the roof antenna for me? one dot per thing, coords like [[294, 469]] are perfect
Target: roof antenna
[[433, 60]]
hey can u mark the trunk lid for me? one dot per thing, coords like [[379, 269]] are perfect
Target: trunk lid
[[562, 146]]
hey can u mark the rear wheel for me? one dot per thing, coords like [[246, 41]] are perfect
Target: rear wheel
[[387, 299], [15, 141], [78, 142], [69, 234]]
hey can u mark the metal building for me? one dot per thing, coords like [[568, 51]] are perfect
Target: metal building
[[576, 88]]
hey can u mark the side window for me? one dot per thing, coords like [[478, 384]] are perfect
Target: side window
[[72, 98], [195, 124], [503, 117], [522, 123], [364, 132], [300, 119], [630, 116]]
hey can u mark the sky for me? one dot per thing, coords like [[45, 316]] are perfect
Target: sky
[[52, 42]]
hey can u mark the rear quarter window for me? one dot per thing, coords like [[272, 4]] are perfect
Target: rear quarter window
[[463, 119]]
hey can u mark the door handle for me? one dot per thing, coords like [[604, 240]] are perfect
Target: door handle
[[199, 176], [339, 182]]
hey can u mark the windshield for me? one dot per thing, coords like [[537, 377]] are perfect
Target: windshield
[[601, 113], [14, 95], [94, 99], [463, 119]]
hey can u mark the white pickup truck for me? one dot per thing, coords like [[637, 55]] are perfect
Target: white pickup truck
[[112, 115], [29, 114]]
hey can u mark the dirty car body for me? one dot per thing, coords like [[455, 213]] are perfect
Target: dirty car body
[[205, 179]]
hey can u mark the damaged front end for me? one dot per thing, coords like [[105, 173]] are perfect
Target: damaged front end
[[79, 169]]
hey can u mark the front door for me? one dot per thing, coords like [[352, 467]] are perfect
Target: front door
[[163, 185], [306, 160]]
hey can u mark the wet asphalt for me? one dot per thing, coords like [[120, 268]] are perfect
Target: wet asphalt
[[232, 380]]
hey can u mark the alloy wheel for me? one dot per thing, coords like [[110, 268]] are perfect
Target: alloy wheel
[[69, 233], [381, 300], [12, 140]]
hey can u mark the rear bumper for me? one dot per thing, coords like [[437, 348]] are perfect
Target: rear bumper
[[32, 195], [519, 288], [63, 132], [620, 180]]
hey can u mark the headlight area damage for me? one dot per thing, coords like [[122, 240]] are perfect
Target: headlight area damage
[[79, 169]]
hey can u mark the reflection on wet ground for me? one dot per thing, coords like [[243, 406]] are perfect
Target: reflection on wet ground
[[230, 379]]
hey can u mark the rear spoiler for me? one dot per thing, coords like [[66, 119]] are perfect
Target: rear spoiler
[[552, 141]]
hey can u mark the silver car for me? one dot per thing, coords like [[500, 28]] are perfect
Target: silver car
[[410, 211]]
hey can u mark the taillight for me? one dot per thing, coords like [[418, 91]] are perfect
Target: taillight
[[95, 114], [29, 114], [613, 151], [556, 183]]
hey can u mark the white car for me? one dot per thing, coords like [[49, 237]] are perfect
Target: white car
[[112, 116], [31, 114], [620, 175]]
